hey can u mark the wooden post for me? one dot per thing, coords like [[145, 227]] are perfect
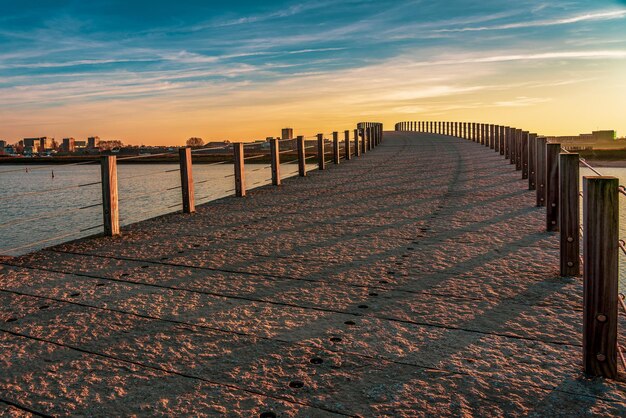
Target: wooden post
[[301, 157], [110, 204], [541, 171], [357, 148], [532, 161], [600, 283], [369, 138], [513, 146], [321, 161], [518, 149], [507, 143], [496, 138], [501, 137], [336, 147], [524, 154], [363, 141], [552, 186], [569, 214], [240, 173], [186, 180], [275, 154], [346, 142]]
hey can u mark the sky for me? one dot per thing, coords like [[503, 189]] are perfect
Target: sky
[[158, 72]]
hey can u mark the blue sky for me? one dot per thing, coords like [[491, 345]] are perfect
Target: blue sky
[[156, 71]]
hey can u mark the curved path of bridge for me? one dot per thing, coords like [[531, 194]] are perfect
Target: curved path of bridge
[[415, 280]]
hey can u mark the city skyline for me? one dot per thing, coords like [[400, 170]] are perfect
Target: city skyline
[[158, 76]]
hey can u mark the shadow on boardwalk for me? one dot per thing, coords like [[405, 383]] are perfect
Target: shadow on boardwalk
[[416, 280]]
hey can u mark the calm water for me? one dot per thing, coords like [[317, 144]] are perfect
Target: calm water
[[70, 205]]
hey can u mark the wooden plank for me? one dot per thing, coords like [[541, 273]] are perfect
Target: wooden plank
[[186, 180], [569, 214], [600, 247], [110, 202]]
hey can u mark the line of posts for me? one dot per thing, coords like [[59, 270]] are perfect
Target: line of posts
[[366, 137], [553, 174]]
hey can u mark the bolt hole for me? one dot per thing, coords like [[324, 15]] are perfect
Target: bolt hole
[[335, 339], [373, 294], [316, 360], [362, 306], [267, 414], [44, 306], [11, 320], [73, 295], [410, 248], [383, 282], [296, 384], [350, 323], [145, 267], [100, 284], [391, 273]]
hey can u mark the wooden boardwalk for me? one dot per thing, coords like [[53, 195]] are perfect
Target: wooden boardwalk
[[415, 280]]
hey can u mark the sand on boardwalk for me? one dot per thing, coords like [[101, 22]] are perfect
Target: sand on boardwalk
[[416, 280]]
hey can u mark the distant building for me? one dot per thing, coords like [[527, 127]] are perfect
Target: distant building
[[596, 139], [78, 145], [3, 145], [287, 133], [68, 145], [92, 142], [35, 145]]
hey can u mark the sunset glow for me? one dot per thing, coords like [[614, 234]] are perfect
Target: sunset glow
[[159, 73]]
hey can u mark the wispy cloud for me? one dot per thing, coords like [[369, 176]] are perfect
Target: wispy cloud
[[608, 15]]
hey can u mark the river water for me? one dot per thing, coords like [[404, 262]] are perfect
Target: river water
[[50, 210], [38, 210]]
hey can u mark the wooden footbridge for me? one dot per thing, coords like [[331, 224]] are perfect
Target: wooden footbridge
[[417, 279]]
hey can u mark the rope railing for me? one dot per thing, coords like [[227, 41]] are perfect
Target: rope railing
[[232, 154], [554, 174]]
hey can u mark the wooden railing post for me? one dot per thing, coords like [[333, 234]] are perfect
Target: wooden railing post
[[524, 154], [507, 143], [518, 149], [275, 155], [552, 186], [357, 147], [513, 146], [600, 282], [346, 143], [321, 159], [532, 161], [496, 138], [240, 173], [301, 156], [541, 171], [110, 203], [363, 141], [569, 214], [336, 147], [186, 180], [501, 138]]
